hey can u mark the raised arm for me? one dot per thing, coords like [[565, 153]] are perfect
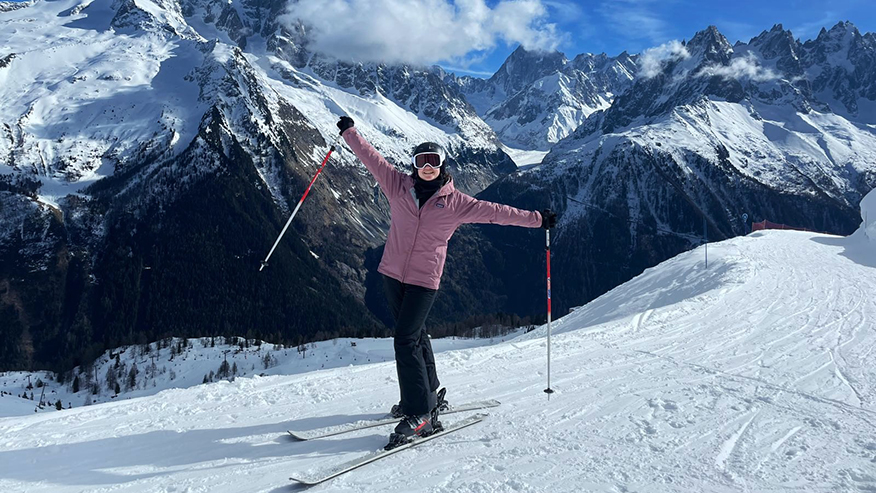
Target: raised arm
[[390, 179], [472, 210]]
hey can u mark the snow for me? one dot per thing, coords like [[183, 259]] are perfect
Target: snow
[[522, 157], [868, 214], [551, 111], [100, 96], [773, 144], [755, 374], [392, 129], [198, 358]]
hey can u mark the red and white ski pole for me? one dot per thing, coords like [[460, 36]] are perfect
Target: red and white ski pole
[[547, 233], [324, 161]]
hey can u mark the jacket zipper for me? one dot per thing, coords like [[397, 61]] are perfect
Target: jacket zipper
[[416, 234]]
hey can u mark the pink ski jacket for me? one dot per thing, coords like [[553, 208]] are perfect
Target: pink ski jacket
[[417, 244]]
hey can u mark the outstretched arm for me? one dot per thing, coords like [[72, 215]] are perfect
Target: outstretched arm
[[473, 210], [390, 179]]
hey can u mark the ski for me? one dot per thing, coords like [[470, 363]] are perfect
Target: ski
[[331, 431], [346, 467]]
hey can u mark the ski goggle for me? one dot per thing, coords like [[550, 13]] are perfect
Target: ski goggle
[[430, 159]]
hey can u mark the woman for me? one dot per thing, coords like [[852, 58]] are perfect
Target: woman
[[425, 210]]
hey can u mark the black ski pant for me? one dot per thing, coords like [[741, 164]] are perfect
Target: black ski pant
[[414, 360]]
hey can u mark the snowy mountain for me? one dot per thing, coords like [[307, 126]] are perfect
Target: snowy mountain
[[147, 162], [752, 374], [706, 134], [535, 99]]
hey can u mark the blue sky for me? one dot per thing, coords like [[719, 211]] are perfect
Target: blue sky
[[474, 37], [612, 26]]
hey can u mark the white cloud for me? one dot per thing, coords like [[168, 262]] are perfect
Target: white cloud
[[422, 31], [651, 60], [636, 19], [740, 68]]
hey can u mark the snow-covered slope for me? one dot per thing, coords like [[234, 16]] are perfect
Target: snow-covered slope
[[754, 374], [174, 363], [104, 99]]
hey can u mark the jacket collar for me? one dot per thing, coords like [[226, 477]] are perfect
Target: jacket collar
[[445, 190]]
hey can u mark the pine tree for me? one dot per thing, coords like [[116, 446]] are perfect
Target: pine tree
[[224, 370], [132, 377], [117, 389], [111, 380], [76, 384], [205, 379], [58, 405], [234, 369]]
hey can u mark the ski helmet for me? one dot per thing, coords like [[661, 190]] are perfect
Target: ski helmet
[[428, 153]]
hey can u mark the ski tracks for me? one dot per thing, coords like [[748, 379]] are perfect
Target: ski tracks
[[730, 444]]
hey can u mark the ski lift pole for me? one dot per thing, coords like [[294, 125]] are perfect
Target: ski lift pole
[[547, 233], [324, 161]]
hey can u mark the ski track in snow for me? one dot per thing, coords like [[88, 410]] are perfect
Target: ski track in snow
[[752, 375]]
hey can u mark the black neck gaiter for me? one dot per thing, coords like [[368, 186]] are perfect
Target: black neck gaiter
[[426, 189]]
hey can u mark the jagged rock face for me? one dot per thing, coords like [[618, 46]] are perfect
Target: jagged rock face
[[779, 45], [524, 67], [10, 6], [536, 98], [239, 20], [841, 64], [682, 81]]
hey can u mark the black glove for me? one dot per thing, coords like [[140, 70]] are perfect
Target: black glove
[[548, 219], [344, 123]]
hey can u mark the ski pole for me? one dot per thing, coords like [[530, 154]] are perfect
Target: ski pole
[[324, 161], [547, 233]]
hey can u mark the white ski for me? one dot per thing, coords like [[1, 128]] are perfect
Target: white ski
[[361, 425], [346, 467]]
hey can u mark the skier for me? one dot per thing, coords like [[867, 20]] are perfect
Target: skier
[[425, 210]]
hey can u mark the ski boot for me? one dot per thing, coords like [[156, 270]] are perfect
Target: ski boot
[[423, 425], [409, 428]]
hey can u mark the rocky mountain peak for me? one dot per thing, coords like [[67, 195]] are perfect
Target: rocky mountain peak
[[710, 45], [838, 40], [524, 67], [777, 42]]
